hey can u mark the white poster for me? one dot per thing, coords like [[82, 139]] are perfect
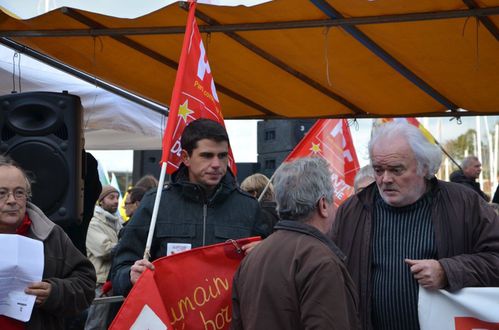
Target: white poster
[[21, 263], [467, 309]]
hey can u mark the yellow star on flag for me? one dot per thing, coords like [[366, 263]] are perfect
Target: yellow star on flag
[[316, 148], [184, 111]]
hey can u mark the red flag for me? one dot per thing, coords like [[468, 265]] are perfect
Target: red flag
[[194, 95], [188, 290], [331, 140]]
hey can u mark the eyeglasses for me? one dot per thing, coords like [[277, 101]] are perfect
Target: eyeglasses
[[18, 194], [129, 203]]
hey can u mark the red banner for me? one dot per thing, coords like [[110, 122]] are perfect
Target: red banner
[[471, 323], [188, 290], [331, 140], [194, 95]]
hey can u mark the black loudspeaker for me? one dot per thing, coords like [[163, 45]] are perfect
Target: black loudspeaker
[[146, 162], [42, 132]]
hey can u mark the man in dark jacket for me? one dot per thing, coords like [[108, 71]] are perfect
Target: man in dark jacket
[[467, 175], [296, 278], [201, 206], [68, 280], [409, 229]]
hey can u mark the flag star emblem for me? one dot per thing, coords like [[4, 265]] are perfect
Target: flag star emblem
[[184, 111], [316, 148]]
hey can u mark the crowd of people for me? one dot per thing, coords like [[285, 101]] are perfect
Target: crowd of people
[[358, 267]]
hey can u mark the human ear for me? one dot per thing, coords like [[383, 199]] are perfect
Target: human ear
[[184, 155], [322, 207]]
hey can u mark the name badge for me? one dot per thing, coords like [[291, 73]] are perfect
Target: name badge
[[172, 248]]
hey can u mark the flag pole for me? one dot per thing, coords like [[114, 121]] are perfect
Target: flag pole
[[447, 154], [266, 186], [147, 251]]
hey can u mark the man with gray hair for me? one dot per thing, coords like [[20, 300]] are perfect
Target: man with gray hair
[[296, 279], [467, 175], [411, 229]]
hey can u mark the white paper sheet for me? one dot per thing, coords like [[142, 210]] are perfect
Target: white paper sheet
[[21, 263]]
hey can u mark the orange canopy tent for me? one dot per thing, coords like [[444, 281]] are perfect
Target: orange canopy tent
[[292, 58]]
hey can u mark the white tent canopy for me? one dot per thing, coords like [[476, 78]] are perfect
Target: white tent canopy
[[110, 121]]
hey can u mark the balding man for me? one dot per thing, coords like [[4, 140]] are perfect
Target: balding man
[[470, 171]]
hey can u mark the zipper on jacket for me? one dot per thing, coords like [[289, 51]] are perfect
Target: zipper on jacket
[[205, 213]]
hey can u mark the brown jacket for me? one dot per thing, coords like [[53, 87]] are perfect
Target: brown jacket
[[466, 234], [294, 279], [71, 274]]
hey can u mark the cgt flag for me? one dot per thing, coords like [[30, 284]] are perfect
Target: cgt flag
[[331, 140], [188, 290], [194, 95]]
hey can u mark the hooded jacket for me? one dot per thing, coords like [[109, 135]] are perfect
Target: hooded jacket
[[466, 235], [102, 237], [70, 274], [186, 215]]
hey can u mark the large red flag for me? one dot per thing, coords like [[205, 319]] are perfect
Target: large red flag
[[188, 290], [194, 95], [331, 140]]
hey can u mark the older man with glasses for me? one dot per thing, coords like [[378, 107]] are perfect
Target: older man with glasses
[[68, 282]]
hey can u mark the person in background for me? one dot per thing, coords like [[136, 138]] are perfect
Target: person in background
[[410, 230], [68, 282], [255, 185], [363, 178], [467, 175], [102, 237], [201, 206], [295, 278], [147, 182], [132, 201]]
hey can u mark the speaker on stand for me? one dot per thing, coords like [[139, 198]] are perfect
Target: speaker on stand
[[42, 132]]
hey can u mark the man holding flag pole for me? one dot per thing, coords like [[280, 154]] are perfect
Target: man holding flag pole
[[202, 205]]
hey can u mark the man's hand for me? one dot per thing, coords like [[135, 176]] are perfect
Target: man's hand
[[247, 248], [138, 268], [428, 272], [39, 289]]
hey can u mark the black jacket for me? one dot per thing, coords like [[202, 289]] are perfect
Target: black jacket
[[186, 215], [459, 177]]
